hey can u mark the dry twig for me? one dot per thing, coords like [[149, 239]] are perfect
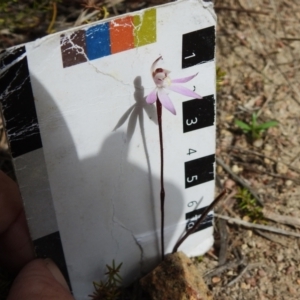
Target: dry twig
[[288, 220], [239, 180], [236, 279], [243, 10], [225, 267], [258, 226], [271, 238]]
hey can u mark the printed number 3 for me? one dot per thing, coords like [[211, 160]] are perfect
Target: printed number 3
[[195, 177], [191, 122]]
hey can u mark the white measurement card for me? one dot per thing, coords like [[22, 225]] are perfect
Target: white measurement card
[[85, 143]]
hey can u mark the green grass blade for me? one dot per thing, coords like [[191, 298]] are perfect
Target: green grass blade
[[242, 125], [267, 125]]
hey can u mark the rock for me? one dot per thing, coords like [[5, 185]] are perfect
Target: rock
[[175, 278], [236, 169], [288, 182], [258, 143], [281, 168]]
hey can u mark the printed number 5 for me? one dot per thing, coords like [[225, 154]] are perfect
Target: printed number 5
[[195, 177], [191, 122]]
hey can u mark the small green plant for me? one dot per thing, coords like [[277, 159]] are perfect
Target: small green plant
[[249, 206], [109, 290], [199, 259], [253, 128], [220, 78]]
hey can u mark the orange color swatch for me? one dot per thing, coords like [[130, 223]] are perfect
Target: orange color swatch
[[121, 34]]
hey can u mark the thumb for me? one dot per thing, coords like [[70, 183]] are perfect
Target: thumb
[[40, 279]]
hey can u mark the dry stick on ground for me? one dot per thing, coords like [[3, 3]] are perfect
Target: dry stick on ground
[[223, 241], [225, 267], [250, 168], [271, 97], [199, 221], [239, 180], [288, 220], [249, 11], [264, 156], [258, 226], [236, 279], [273, 239]]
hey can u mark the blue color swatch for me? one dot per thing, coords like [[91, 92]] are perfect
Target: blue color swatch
[[98, 41]]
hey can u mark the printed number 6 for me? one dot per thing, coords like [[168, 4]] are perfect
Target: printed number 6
[[195, 177], [191, 122]]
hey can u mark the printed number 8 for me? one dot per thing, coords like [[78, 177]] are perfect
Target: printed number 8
[[192, 122], [189, 180]]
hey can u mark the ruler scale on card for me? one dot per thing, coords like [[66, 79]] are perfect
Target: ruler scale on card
[[90, 194]]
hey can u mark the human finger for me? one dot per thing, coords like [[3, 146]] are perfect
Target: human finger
[[40, 279], [15, 244]]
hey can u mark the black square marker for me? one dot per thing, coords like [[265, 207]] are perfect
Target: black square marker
[[193, 216], [18, 105], [198, 113], [199, 170], [8, 56], [198, 47]]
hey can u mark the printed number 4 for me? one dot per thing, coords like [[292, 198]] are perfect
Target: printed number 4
[[195, 177], [191, 122]]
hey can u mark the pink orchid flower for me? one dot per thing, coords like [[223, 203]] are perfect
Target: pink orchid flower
[[164, 83]]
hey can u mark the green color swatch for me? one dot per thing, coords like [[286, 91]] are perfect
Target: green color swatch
[[145, 28]]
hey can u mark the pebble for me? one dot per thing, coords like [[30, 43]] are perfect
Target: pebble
[[262, 273], [290, 270], [216, 279], [251, 281], [267, 161], [258, 143], [246, 218], [251, 244], [281, 266], [268, 148], [235, 169], [281, 168], [245, 286], [244, 246], [229, 184], [288, 182], [219, 170], [280, 257]]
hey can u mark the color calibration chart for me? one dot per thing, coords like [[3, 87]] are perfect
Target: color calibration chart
[[85, 143]]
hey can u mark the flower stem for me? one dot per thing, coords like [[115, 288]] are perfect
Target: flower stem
[[199, 221], [162, 189]]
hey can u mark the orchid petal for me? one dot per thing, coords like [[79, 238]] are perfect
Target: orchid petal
[[166, 101], [152, 97], [153, 67], [183, 91], [185, 79]]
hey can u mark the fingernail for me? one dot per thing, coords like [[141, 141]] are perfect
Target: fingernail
[[52, 267]]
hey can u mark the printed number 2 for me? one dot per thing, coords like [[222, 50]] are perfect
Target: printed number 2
[[189, 180], [191, 122]]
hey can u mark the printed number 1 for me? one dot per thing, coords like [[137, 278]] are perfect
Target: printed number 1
[[189, 180]]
